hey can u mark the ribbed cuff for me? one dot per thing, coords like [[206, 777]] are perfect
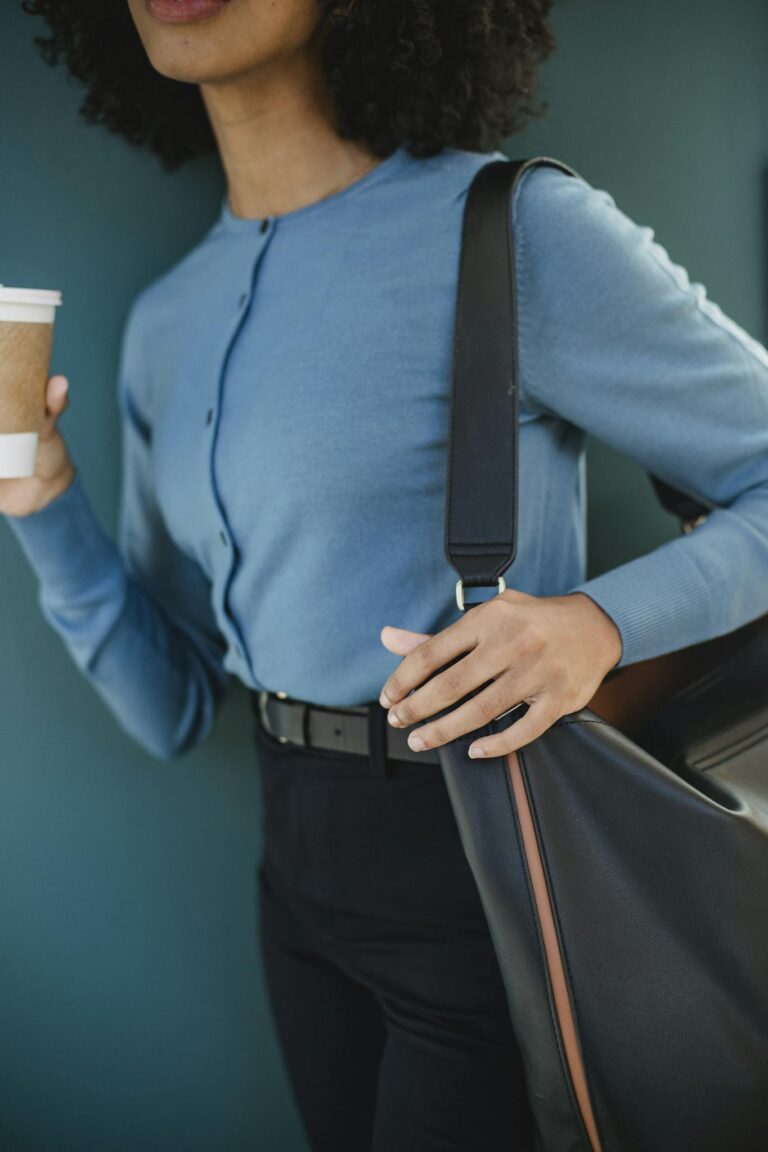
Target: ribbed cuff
[[66, 545], [659, 602]]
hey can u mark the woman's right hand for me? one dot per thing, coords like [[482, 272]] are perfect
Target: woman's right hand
[[54, 470]]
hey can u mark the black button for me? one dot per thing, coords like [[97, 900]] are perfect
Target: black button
[[264, 225], [223, 537], [209, 417]]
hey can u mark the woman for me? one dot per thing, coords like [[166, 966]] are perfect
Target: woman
[[284, 391]]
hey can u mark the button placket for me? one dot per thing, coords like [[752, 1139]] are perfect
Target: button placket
[[243, 301]]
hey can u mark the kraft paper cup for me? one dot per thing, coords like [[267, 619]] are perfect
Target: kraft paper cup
[[27, 318]]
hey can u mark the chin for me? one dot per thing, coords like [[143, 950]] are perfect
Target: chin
[[192, 65], [222, 39]]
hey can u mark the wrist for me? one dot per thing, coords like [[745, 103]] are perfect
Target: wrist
[[606, 630], [56, 487]]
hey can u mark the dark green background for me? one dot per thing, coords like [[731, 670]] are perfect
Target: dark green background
[[133, 1013]]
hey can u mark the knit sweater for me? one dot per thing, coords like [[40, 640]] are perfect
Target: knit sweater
[[284, 391]]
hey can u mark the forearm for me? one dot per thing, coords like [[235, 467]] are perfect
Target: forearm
[[691, 588], [161, 687]]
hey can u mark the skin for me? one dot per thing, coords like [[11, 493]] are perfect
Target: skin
[[54, 470], [258, 66], [549, 651]]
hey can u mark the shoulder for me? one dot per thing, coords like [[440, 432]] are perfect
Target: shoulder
[[567, 223], [583, 261], [600, 298], [586, 271], [577, 247], [590, 288], [566, 229]]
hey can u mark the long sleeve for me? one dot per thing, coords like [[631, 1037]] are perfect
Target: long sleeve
[[618, 341], [135, 615]]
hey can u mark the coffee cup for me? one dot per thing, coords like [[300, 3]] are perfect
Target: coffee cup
[[26, 334]]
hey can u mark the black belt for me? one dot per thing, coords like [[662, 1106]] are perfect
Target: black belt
[[334, 729]]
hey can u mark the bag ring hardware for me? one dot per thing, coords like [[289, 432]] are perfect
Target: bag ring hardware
[[460, 590]]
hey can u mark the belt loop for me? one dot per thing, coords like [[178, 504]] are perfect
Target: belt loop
[[305, 725], [377, 738]]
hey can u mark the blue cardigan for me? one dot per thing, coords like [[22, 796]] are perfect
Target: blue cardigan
[[284, 392]]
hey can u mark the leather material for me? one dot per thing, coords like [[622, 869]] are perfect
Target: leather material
[[554, 955], [659, 893], [624, 880], [331, 729]]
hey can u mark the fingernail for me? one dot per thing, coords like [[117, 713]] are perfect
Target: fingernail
[[475, 751], [394, 719], [416, 743], [384, 700]]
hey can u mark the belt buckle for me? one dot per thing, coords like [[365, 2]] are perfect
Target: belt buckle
[[304, 718], [262, 702]]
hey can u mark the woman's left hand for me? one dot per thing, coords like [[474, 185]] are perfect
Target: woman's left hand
[[551, 652]]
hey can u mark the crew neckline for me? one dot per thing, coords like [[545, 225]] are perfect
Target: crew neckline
[[255, 224]]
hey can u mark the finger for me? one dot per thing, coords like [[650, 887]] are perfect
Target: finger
[[501, 695], [401, 640], [540, 716], [427, 657], [461, 677], [57, 394]]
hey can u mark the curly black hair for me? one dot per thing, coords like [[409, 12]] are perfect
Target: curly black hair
[[429, 74]]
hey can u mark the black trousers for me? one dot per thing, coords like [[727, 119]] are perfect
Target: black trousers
[[384, 986]]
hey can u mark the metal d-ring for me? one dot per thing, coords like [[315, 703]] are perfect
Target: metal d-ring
[[501, 585]]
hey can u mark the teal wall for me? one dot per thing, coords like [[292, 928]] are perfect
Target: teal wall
[[133, 1013]]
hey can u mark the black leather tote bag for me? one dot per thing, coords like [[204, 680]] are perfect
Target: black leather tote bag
[[621, 857]]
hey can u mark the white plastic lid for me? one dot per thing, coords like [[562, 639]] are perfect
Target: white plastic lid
[[30, 296]]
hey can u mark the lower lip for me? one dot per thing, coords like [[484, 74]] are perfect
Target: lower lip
[[184, 11]]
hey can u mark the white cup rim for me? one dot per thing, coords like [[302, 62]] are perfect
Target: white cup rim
[[50, 297]]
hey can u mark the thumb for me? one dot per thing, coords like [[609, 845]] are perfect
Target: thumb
[[56, 393], [56, 397], [401, 640]]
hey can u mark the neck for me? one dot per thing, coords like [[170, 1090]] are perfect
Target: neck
[[276, 139]]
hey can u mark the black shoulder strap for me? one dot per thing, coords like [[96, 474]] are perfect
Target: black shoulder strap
[[482, 474]]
